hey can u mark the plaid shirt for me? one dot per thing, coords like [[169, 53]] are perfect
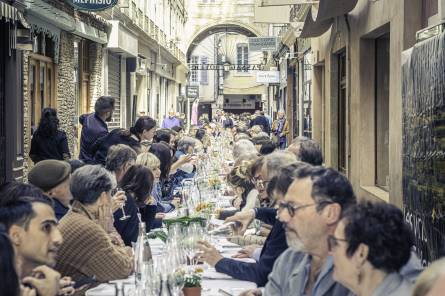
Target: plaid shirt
[[87, 249]]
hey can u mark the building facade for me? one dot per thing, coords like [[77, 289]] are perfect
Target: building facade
[[64, 68], [218, 34], [144, 59], [129, 52], [12, 27], [357, 90]]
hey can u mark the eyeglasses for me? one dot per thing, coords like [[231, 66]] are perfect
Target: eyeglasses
[[291, 209], [333, 242], [260, 183]]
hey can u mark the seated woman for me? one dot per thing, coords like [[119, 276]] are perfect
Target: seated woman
[[246, 194], [87, 250], [185, 168], [371, 244], [150, 161], [137, 184], [162, 152], [143, 131]]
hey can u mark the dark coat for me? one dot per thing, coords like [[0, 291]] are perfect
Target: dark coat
[[59, 209], [117, 136], [148, 213], [261, 121], [128, 229], [43, 147], [93, 128], [274, 246]]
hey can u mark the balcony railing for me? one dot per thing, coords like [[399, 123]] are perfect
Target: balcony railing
[[146, 24]]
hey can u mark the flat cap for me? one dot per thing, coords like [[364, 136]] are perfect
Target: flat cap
[[49, 173]]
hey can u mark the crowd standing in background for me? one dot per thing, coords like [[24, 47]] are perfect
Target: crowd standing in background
[[72, 226]]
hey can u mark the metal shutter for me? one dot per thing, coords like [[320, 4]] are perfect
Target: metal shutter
[[114, 87]]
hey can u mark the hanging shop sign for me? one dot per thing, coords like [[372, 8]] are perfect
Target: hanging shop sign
[[263, 43], [226, 67], [192, 92], [93, 5], [283, 73], [268, 77]]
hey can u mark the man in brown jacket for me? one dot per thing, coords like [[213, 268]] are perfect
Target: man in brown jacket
[[88, 252]]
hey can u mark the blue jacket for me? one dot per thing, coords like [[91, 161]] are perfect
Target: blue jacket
[[93, 128], [274, 246]]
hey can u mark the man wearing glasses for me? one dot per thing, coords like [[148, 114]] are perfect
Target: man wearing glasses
[[313, 204], [311, 208]]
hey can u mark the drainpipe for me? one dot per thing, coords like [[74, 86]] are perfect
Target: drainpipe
[[348, 57]]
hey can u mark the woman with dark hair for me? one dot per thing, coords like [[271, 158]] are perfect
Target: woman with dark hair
[[137, 184], [144, 130], [48, 142], [162, 135], [162, 151], [370, 246]]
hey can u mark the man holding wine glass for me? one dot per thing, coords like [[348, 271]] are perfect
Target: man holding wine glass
[[119, 159]]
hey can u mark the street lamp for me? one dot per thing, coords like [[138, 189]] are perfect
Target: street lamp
[[226, 66]]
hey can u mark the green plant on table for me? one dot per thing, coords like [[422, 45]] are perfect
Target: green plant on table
[[192, 280]]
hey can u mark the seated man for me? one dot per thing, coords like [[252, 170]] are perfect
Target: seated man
[[53, 177], [87, 251], [263, 171], [313, 206], [32, 229]]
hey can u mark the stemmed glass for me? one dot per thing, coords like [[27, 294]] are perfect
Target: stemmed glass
[[124, 216]]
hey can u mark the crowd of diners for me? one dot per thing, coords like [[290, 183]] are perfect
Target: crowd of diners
[[61, 232]]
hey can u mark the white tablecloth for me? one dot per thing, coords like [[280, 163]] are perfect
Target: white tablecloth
[[212, 281]]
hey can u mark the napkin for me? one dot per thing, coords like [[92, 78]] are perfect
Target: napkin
[[212, 274], [101, 290]]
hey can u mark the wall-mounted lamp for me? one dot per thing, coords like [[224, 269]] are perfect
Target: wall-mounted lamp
[[226, 66]]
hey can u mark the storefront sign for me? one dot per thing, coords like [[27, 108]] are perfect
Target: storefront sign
[[214, 67], [263, 43], [268, 77], [192, 92], [93, 5]]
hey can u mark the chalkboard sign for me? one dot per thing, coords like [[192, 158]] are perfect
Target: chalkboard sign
[[423, 94], [93, 5]]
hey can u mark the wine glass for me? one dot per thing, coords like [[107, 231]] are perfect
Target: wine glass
[[176, 281], [124, 216]]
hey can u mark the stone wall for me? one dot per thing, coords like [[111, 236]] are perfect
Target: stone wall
[[95, 61], [26, 116], [66, 89]]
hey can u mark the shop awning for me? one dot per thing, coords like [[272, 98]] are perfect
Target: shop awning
[[328, 9], [8, 12], [47, 17], [313, 28], [317, 23], [252, 90]]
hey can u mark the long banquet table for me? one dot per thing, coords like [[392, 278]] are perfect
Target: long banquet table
[[212, 284]]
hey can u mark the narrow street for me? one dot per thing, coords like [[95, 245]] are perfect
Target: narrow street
[[364, 80]]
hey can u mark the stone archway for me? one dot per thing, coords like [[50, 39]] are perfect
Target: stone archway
[[225, 26]]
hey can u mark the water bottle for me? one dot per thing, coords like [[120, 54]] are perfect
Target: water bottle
[[142, 256]]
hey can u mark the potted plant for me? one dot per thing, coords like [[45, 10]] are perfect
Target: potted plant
[[192, 285]]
